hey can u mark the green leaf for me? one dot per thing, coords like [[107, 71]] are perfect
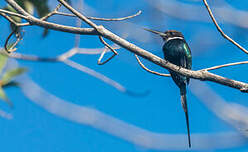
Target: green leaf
[[8, 75], [11, 9], [4, 97], [3, 61], [29, 7]]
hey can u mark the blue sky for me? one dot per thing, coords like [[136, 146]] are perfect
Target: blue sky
[[35, 129]]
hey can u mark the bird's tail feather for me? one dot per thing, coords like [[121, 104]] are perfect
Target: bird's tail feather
[[185, 108]]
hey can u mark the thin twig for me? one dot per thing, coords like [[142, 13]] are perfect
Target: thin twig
[[8, 18], [95, 74], [12, 21], [13, 13], [148, 70], [51, 13], [104, 51], [107, 45], [78, 14], [101, 56], [103, 19], [65, 14], [220, 30], [8, 50], [225, 65], [102, 31], [116, 19]]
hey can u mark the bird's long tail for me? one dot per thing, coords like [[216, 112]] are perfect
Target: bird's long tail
[[185, 108]]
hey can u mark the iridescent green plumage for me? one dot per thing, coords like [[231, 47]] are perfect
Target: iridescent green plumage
[[177, 51]]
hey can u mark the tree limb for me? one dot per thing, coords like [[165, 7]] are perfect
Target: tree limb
[[220, 30], [100, 30]]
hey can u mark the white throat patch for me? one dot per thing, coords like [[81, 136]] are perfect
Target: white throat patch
[[173, 38]]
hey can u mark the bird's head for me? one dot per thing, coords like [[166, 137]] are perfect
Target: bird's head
[[167, 35]]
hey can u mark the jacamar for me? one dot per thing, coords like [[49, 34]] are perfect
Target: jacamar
[[177, 51]]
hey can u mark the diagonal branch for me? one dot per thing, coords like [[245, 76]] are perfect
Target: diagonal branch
[[104, 51], [51, 13], [78, 14], [225, 65], [220, 30], [100, 30], [103, 19], [148, 70]]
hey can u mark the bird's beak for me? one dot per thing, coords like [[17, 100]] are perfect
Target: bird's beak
[[156, 32]]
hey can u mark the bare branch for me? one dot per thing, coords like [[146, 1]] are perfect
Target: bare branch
[[225, 65], [65, 14], [103, 19], [12, 13], [12, 47], [51, 13], [116, 19], [31, 57], [95, 74], [101, 56], [220, 30], [8, 18], [104, 51], [78, 14], [148, 70], [101, 31], [11, 20]]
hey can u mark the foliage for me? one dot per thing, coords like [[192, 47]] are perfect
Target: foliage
[[7, 77], [31, 6]]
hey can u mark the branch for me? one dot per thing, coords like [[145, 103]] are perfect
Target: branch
[[100, 30], [220, 30], [64, 58], [13, 14], [12, 47], [103, 19], [51, 13], [78, 14], [225, 65], [104, 51], [148, 70]]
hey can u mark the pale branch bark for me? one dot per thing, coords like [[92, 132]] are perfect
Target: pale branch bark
[[102, 19], [13, 13], [64, 58], [101, 31], [220, 30], [51, 13], [99, 61], [225, 65], [150, 71], [78, 14], [102, 54]]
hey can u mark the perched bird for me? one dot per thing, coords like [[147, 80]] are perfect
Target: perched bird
[[177, 51]]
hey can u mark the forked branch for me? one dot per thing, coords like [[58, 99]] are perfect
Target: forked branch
[[102, 31]]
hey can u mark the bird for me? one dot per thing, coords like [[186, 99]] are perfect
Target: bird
[[177, 51]]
